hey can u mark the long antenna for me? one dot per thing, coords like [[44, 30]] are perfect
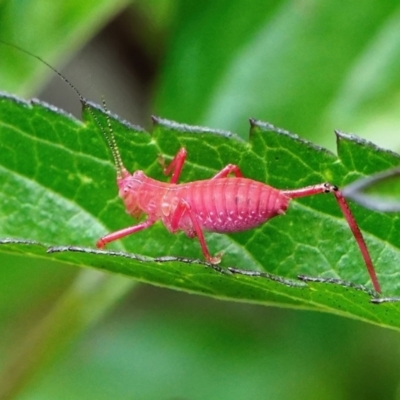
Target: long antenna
[[109, 136], [112, 143]]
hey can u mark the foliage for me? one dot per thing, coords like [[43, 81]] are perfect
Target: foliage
[[62, 167], [303, 66]]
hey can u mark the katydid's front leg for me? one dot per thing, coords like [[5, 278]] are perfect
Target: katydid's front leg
[[111, 237]]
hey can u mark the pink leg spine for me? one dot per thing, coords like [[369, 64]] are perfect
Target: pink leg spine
[[328, 188]]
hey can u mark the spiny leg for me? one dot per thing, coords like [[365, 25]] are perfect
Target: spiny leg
[[175, 166], [181, 208], [328, 188], [111, 237]]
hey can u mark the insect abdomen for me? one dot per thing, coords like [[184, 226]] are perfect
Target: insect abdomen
[[232, 204]]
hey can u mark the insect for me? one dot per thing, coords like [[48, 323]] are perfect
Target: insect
[[220, 204]]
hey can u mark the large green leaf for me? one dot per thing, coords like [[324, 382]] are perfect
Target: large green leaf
[[59, 190]]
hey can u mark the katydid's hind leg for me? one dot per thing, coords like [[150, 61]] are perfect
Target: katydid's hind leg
[[111, 237], [328, 188], [180, 210], [175, 166], [229, 169]]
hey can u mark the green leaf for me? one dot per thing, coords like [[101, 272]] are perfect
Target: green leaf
[[59, 190]]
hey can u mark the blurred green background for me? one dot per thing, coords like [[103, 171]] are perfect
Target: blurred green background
[[306, 66]]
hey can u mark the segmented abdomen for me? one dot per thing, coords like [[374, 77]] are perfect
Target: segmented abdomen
[[230, 204]]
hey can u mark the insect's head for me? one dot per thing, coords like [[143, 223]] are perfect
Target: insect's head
[[129, 186]]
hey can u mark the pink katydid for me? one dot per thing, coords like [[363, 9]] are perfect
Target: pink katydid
[[220, 204]]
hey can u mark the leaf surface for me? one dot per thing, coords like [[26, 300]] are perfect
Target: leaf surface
[[58, 189]]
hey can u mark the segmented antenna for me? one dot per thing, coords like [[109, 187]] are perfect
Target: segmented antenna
[[112, 143], [109, 136]]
